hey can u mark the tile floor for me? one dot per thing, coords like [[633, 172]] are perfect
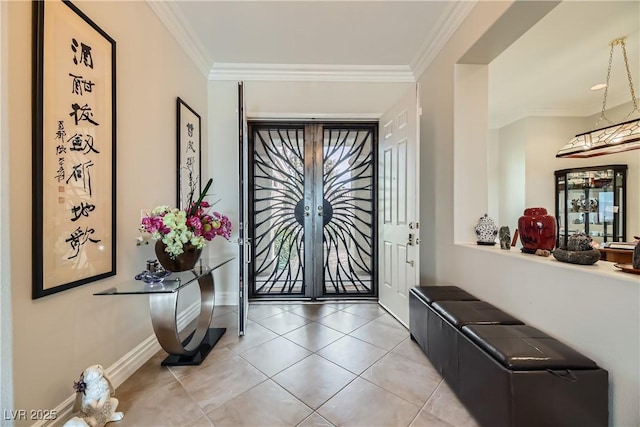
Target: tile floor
[[331, 364]]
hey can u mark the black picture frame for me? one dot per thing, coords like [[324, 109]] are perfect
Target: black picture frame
[[189, 154], [74, 149]]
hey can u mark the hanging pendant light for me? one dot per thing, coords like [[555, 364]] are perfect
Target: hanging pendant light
[[611, 139]]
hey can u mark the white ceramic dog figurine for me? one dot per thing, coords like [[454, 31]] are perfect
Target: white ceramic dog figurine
[[94, 400]]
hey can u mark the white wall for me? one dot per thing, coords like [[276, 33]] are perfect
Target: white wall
[[512, 174], [278, 100], [6, 341], [470, 170], [58, 336], [493, 174], [592, 309]]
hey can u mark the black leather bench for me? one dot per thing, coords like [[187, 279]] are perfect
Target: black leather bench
[[420, 298], [506, 373], [444, 331]]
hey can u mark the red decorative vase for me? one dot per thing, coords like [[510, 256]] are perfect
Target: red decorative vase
[[537, 230], [185, 261]]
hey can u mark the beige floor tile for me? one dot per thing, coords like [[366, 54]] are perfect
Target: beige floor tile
[[231, 382], [315, 420], [410, 380], [445, 405], [220, 310], [227, 320], [200, 422], [218, 353], [364, 404], [286, 306], [275, 355], [411, 350], [255, 335], [352, 354], [366, 310], [313, 336], [380, 335], [343, 321], [339, 305], [169, 405], [147, 377], [221, 381], [267, 404], [262, 311], [313, 311], [389, 320], [284, 322], [426, 419], [313, 380]]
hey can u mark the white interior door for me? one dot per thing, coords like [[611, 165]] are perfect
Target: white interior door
[[398, 204]]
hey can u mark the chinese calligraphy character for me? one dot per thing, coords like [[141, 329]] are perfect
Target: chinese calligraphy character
[[81, 172], [80, 144], [60, 172], [60, 149], [79, 85], [190, 162], [78, 238], [60, 133], [82, 209], [190, 147], [85, 113], [85, 53], [190, 129]]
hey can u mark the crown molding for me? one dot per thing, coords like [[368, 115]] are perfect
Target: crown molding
[[441, 32], [312, 72], [175, 22], [520, 113], [584, 111], [173, 19]]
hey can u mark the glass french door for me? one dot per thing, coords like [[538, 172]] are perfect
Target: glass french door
[[312, 209]]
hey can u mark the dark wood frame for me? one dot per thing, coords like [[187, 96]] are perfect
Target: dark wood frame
[[184, 111], [53, 273]]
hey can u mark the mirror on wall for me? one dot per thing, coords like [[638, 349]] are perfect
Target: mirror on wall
[[540, 97]]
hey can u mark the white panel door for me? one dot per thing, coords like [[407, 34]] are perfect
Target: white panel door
[[398, 204]]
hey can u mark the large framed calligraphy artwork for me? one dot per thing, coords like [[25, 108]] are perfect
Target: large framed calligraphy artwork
[[189, 159], [74, 149]]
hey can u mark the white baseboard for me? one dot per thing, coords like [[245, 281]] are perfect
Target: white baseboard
[[124, 367], [226, 298]]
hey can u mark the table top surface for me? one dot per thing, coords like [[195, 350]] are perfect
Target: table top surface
[[172, 283]]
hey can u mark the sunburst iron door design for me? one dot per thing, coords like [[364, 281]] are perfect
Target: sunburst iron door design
[[312, 210]]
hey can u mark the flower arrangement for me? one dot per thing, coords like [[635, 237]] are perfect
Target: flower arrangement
[[191, 225]]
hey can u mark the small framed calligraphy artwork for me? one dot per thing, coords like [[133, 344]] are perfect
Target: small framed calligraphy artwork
[[189, 159], [74, 149]]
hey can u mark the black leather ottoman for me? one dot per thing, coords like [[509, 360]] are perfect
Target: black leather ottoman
[[444, 331], [518, 376], [420, 300]]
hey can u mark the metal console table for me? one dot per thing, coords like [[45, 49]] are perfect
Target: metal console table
[[163, 306]]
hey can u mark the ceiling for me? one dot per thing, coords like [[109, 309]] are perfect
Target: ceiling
[[548, 71]]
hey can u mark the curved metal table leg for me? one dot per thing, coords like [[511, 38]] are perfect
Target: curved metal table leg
[[164, 309]]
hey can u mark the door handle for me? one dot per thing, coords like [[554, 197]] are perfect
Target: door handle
[[406, 256]]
